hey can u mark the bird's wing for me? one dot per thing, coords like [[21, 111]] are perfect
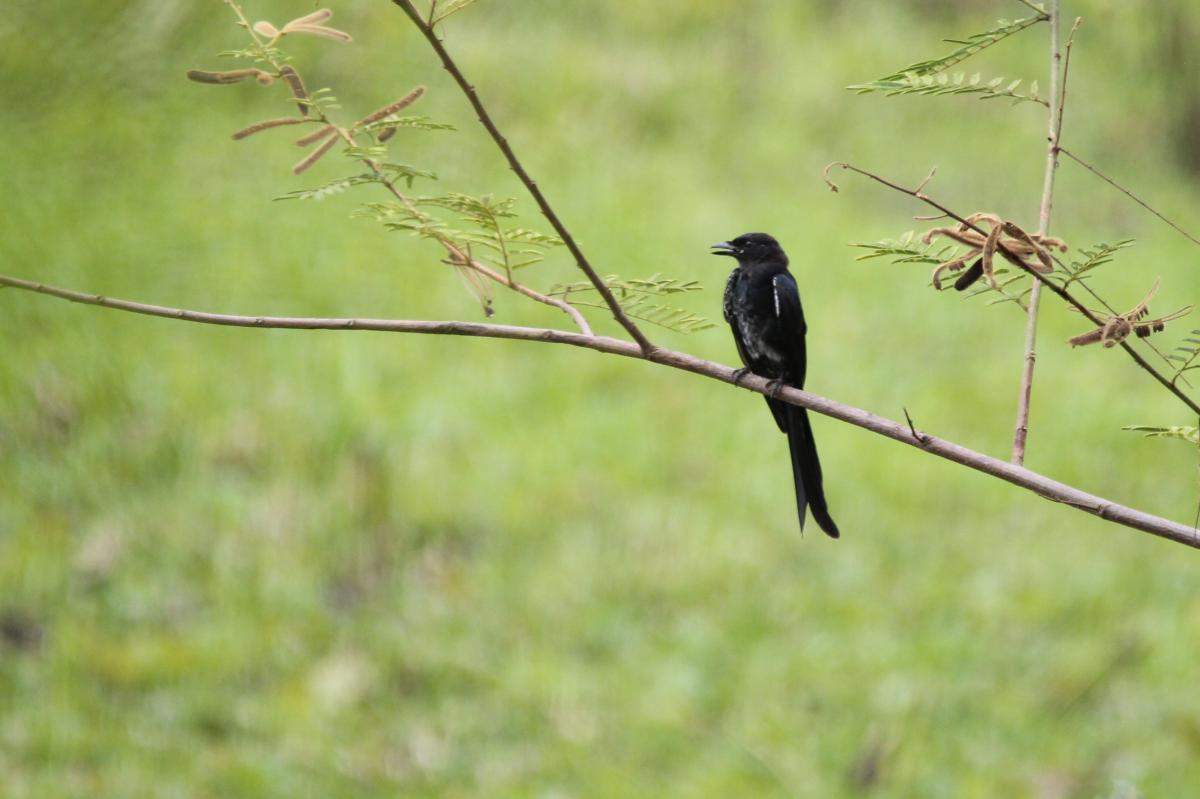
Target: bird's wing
[[791, 318], [727, 307], [727, 302]]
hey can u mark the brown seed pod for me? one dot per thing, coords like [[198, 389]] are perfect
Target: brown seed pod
[[222, 78], [388, 110], [315, 136], [315, 155], [968, 278], [266, 124], [297, 86], [1047, 266]]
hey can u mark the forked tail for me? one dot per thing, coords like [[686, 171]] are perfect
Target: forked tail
[[806, 471]]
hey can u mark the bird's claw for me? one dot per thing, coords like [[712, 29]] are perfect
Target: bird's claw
[[740, 374], [775, 387]]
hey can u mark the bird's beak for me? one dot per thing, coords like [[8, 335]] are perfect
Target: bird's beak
[[725, 248]]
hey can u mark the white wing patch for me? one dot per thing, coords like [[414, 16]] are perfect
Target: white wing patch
[[775, 291]]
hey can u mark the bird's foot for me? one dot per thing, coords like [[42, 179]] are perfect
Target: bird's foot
[[740, 374], [775, 387]]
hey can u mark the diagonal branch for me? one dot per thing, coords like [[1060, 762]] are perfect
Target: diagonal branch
[[1016, 260], [531, 185], [1127, 193], [904, 433]]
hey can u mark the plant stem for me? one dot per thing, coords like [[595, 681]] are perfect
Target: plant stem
[[1058, 95], [1016, 261], [457, 256], [904, 433], [486, 119], [1127, 193]]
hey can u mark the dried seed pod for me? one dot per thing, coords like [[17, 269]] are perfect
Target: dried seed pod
[[1047, 266], [386, 134], [266, 124], [265, 78], [989, 252], [959, 234], [388, 110], [968, 278], [1157, 326], [315, 155], [322, 31], [315, 136], [953, 265], [1090, 337], [264, 28], [1116, 331], [297, 86], [321, 15], [221, 78]]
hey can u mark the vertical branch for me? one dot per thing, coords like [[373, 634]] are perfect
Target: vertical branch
[[1058, 97]]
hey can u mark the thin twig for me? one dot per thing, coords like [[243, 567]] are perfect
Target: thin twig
[[1058, 99], [464, 259], [457, 255], [1038, 484], [1034, 7], [1127, 193], [918, 437], [543, 204], [1016, 261]]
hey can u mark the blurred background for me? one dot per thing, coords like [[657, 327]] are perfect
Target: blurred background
[[289, 564]]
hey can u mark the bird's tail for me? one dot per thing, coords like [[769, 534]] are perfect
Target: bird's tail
[[806, 471]]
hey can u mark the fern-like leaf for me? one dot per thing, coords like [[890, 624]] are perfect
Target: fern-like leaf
[[489, 240], [392, 172], [678, 319], [1093, 257], [635, 296], [395, 122], [908, 249], [1187, 355], [452, 7], [958, 83], [1183, 433], [968, 47]]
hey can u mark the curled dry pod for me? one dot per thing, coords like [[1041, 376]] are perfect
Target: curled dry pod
[[297, 86], [386, 134], [989, 252], [1046, 265]]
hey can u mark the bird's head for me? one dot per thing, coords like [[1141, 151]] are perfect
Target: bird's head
[[753, 248]]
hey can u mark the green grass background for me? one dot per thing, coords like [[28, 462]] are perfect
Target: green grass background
[[311, 564]]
